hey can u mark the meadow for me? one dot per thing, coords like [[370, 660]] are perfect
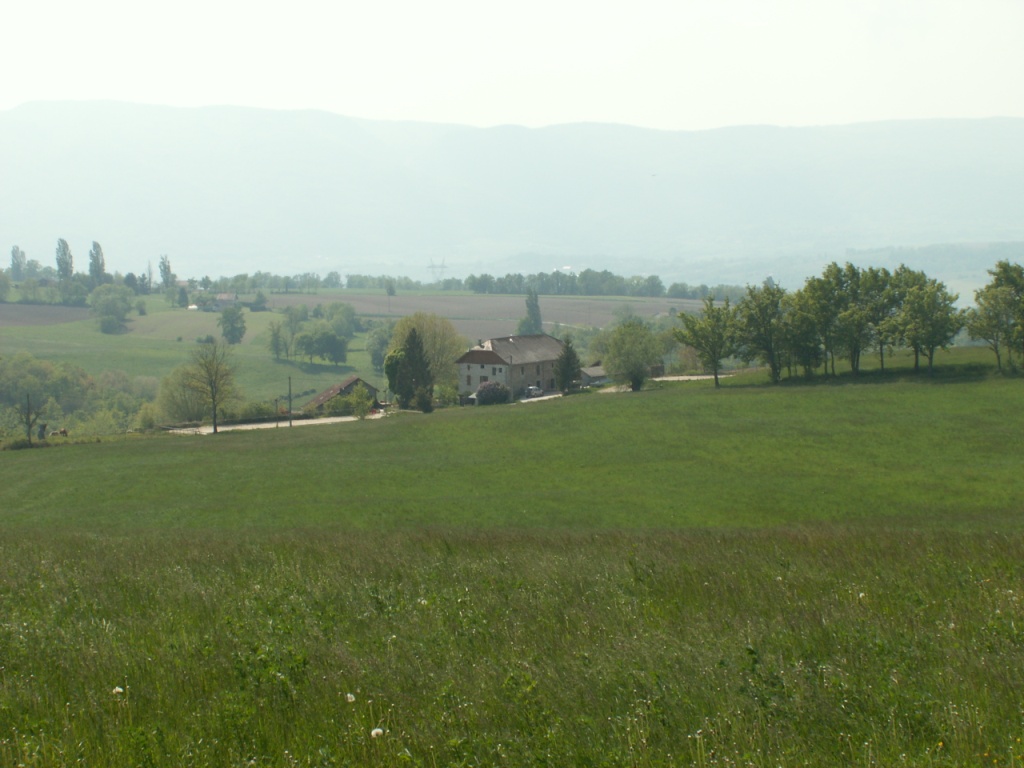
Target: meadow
[[157, 342], [824, 574]]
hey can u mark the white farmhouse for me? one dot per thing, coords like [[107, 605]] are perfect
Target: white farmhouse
[[517, 362]]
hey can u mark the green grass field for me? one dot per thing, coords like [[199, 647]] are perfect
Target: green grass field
[[758, 576], [151, 345], [162, 340]]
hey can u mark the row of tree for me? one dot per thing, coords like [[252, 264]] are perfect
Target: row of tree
[[324, 332], [34, 278], [590, 282], [62, 284], [841, 314]]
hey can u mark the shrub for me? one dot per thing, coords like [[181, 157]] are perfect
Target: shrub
[[424, 400], [338, 406], [446, 394], [18, 445], [257, 411], [147, 417], [492, 393], [110, 324]]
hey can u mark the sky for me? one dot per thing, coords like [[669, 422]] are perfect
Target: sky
[[666, 64]]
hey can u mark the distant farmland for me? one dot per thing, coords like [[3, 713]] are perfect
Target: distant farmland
[[479, 316], [39, 314]]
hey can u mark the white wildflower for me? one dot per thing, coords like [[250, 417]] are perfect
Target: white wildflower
[[118, 690], [350, 697], [376, 733]]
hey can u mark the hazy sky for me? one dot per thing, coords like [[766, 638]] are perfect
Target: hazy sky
[[672, 64]]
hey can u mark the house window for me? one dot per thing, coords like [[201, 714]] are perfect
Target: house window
[[481, 366], [538, 369], [483, 379], [494, 370], [469, 380]]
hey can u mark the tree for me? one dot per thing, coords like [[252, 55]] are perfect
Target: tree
[[65, 267], [320, 340], [29, 414], [111, 304], [377, 342], [278, 344], [5, 286], [182, 300], [97, 265], [177, 402], [759, 326], [360, 401], [567, 367], [232, 325], [532, 323], [820, 303], [854, 331], [33, 387], [801, 340], [211, 377], [408, 371], [166, 275], [711, 334], [930, 320], [442, 344], [994, 319], [295, 316], [17, 264], [1011, 276], [632, 350], [880, 304]]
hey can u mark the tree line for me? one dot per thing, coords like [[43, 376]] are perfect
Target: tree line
[[61, 284], [848, 312]]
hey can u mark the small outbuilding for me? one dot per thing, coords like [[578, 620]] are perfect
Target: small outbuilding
[[320, 402], [593, 376]]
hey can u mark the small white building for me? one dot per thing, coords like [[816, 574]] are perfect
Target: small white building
[[517, 362]]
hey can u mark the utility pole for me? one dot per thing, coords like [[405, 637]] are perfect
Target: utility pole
[[289, 401]]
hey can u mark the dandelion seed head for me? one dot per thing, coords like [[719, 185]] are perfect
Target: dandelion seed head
[[376, 733], [350, 697], [118, 690]]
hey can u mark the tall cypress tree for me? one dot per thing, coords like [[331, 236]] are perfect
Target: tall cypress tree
[[408, 372], [532, 323]]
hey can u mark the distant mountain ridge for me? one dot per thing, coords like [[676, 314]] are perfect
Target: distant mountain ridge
[[223, 190]]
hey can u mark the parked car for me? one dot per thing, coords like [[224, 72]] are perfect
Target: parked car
[[534, 391]]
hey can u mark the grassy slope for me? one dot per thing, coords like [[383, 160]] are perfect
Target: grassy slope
[[151, 348], [683, 455], [822, 575]]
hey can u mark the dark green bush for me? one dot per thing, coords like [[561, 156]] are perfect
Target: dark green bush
[[492, 393]]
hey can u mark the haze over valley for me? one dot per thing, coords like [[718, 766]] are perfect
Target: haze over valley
[[224, 190]]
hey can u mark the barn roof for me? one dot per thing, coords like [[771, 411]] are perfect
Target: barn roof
[[337, 389]]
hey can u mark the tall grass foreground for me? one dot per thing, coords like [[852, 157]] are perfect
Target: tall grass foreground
[[807, 647]]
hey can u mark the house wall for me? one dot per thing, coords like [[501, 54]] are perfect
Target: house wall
[[472, 375], [540, 374]]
